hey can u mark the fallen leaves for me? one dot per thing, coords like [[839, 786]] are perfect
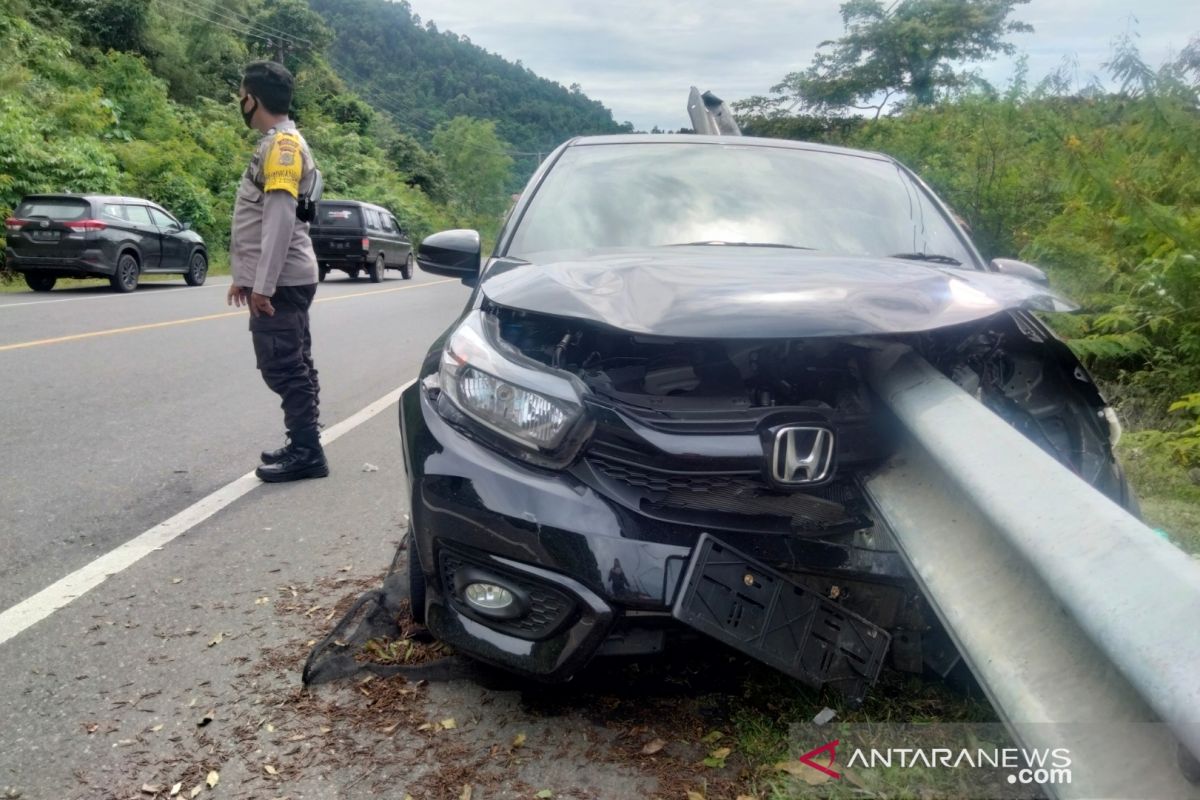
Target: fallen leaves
[[448, 724], [518, 741], [270, 770], [813, 777], [544, 794], [220, 637], [466, 792], [175, 790], [653, 747], [151, 788], [716, 759], [213, 779], [207, 718]]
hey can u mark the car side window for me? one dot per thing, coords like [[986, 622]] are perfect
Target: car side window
[[114, 211], [164, 221], [386, 223], [139, 215], [396, 226], [372, 219]]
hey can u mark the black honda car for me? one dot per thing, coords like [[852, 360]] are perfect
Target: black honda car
[[653, 413]]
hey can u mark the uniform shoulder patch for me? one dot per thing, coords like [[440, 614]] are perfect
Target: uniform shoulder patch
[[284, 165]]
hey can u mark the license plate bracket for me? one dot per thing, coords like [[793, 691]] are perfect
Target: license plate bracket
[[755, 609]]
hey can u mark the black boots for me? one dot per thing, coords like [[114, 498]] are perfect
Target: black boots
[[275, 456], [302, 457]]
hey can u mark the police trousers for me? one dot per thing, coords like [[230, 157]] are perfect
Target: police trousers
[[283, 349]]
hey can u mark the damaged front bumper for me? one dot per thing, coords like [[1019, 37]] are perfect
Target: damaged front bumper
[[597, 572]]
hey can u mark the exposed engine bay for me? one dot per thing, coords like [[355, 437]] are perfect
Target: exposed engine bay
[[1003, 361]]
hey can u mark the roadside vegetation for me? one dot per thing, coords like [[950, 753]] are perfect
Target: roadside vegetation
[[137, 97], [1097, 183]]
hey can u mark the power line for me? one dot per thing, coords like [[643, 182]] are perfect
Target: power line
[[209, 20], [236, 18], [397, 115]]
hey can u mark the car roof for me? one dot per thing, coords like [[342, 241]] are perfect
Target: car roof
[[103, 198], [738, 141], [362, 203]]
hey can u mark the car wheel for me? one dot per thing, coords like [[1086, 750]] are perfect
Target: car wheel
[[322, 274], [197, 270], [377, 269], [125, 279], [407, 270], [40, 283], [416, 581]]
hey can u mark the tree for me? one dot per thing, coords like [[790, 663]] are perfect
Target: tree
[[477, 166], [912, 49]]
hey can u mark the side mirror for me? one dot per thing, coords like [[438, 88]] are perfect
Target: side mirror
[[1019, 269], [187, 226], [454, 254]]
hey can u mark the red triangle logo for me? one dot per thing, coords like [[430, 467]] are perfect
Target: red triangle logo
[[829, 747]]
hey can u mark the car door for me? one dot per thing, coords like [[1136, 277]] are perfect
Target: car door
[[403, 245], [371, 220], [174, 247], [386, 237], [145, 235]]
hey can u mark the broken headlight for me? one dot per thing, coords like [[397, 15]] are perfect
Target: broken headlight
[[510, 396]]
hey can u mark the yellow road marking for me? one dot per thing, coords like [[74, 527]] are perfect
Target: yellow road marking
[[240, 313]]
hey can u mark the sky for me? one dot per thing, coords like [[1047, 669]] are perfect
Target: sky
[[639, 57]]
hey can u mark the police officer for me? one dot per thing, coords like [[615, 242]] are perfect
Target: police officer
[[275, 270]]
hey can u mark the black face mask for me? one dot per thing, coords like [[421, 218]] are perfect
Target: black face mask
[[247, 116]]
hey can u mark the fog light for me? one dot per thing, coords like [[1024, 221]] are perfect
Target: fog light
[[488, 597]]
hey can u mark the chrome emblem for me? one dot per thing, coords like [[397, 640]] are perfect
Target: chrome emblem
[[802, 455], [45, 224]]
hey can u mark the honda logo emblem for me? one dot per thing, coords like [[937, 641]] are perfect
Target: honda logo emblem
[[802, 455]]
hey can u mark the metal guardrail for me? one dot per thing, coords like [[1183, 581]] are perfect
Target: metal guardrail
[[710, 115], [1079, 622]]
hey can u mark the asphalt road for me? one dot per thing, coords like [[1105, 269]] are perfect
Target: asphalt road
[[117, 411], [180, 667]]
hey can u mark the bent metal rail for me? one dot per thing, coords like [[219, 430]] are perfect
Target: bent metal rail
[[1079, 622]]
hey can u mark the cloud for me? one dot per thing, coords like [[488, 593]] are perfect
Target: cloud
[[639, 57]]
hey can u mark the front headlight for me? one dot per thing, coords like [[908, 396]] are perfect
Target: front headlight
[[509, 394]]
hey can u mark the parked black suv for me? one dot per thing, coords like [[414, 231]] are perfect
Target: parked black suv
[[654, 415], [354, 236], [52, 236]]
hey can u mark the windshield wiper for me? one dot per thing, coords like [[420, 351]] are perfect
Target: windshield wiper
[[933, 258], [720, 243]]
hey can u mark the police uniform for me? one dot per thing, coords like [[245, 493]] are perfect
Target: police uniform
[[270, 252]]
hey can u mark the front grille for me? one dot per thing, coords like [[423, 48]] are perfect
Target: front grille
[[549, 608], [831, 506], [666, 482]]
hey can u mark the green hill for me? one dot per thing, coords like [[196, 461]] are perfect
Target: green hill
[[424, 77], [137, 97]]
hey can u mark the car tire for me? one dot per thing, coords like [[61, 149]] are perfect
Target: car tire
[[322, 274], [377, 269], [40, 283], [125, 279], [197, 270], [416, 581], [406, 271]]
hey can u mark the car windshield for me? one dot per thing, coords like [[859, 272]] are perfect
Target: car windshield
[[599, 197], [63, 210], [339, 216]]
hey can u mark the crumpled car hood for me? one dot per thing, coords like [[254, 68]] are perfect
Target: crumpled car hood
[[751, 293]]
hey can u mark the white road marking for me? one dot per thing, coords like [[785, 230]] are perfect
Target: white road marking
[[62, 592], [114, 295]]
